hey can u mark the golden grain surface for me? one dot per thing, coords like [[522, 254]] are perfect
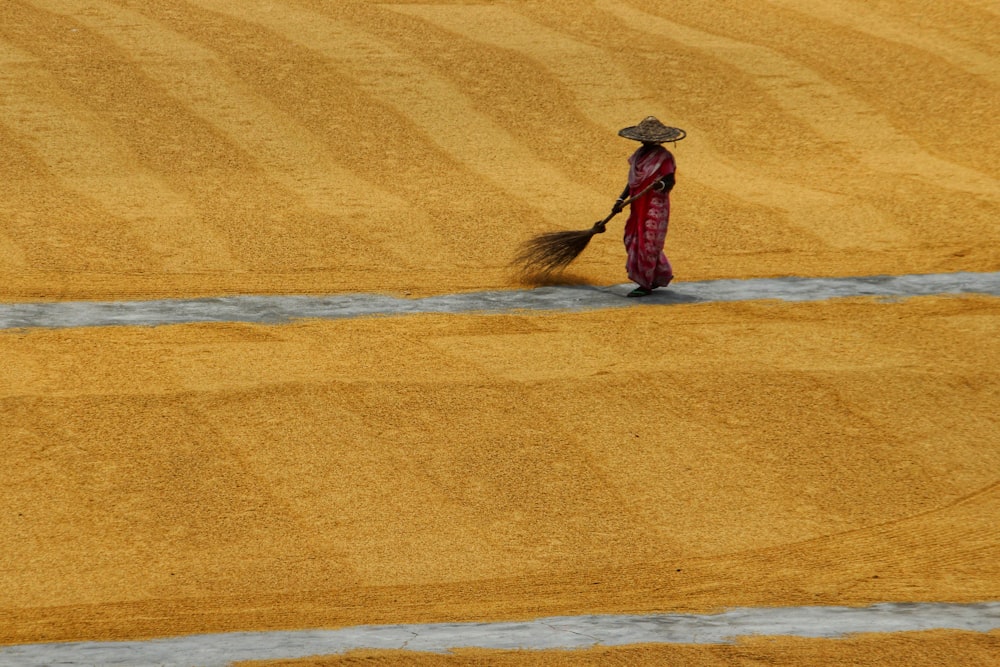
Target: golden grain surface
[[223, 477], [164, 148]]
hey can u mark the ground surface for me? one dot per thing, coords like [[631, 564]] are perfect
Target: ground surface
[[177, 148], [200, 478], [927, 649]]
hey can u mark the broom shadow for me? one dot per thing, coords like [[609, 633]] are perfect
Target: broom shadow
[[551, 279], [579, 286]]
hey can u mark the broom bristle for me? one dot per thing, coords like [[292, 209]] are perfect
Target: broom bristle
[[547, 253]]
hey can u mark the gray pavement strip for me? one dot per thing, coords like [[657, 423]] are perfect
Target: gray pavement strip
[[564, 632], [279, 309]]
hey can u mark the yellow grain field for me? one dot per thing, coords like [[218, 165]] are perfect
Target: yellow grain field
[[220, 477]]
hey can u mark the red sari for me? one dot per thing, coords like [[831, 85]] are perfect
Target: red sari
[[646, 229]]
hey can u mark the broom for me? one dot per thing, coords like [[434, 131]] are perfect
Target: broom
[[554, 251]]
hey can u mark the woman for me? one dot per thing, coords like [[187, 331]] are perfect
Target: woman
[[650, 179]]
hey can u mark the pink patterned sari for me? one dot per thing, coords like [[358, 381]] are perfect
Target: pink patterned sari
[[646, 229]]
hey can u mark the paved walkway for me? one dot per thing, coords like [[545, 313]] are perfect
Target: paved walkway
[[277, 309], [567, 632]]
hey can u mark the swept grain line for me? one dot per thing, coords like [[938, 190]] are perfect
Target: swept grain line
[[607, 95], [861, 17], [990, 6], [230, 192], [91, 161], [881, 528], [289, 153], [432, 103], [829, 109]]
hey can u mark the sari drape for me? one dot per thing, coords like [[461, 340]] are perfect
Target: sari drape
[[646, 229]]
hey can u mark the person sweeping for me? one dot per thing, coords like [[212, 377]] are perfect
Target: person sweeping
[[651, 178]]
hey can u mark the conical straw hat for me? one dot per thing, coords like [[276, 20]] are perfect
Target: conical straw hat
[[652, 131]]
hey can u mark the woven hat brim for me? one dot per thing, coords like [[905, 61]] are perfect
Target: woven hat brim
[[665, 135]]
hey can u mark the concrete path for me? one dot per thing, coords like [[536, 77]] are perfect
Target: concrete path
[[567, 632], [277, 309]]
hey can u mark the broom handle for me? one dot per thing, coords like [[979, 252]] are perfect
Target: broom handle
[[599, 225]]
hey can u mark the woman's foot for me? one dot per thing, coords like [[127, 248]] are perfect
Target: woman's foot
[[640, 291]]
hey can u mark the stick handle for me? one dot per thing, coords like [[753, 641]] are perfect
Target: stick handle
[[644, 191], [599, 225]]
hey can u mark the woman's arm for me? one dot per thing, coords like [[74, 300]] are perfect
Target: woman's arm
[[665, 184], [620, 202]]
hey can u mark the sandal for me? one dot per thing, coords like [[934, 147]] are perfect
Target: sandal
[[640, 291]]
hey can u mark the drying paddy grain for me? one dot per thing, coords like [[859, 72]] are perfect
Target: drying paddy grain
[[222, 477]]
